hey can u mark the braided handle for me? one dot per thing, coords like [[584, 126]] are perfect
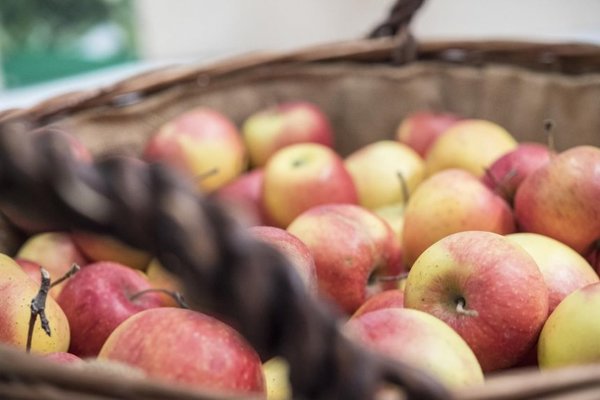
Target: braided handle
[[226, 272]]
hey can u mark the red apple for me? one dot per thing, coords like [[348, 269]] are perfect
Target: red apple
[[421, 129], [243, 194], [393, 298], [55, 251], [269, 130], [297, 253], [487, 288], [507, 173], [200, 142], [98, 298], [352, 248], [560, 200], [419, 340], [302, 176], [189, 348], [448, 202]]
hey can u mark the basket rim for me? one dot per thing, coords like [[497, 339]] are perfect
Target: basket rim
[[548, 56]]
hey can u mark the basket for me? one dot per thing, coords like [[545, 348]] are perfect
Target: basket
[[366, 87]]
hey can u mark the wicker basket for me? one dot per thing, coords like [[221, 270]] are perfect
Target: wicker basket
[[366, 87]]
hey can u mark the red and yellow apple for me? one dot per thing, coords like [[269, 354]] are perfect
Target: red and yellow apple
[[470, 144], [487, 288], [269, 130], [202, 143], [302, 176], [421, 129], [98, 247], [243, 195]]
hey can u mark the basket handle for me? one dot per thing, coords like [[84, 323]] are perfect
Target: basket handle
[[225, 271]]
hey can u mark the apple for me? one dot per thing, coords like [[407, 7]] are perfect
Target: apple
[[393, 298], [302, 176], [243, 196], [202, 143], [98, 298], [161, 278], [375, 170], [507, 173], [98, 247], [55, 251], [570, 335], [560, 200], [421, 129], [18, 290], [269, 130], [277, 379], [296, 252], [564, 270], [189, 348], [489, 289], [352, 248], [420, 340], [451, 201], [471, 144]]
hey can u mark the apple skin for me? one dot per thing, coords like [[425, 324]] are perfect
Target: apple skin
[[419, 340], [375, 168], [570, 335], [421, 129], [197, 142], [560, 200], [62, 358], [107, 248], [302, 176], [470, 144], [507, 173], [351, 247], [269, 130], [97, 299], [55, 251], [393, 298], [244, 195], [448, 202], [17, 292], [491, 277], [187, 347], [277, 371], [294, 249], [564, 270]]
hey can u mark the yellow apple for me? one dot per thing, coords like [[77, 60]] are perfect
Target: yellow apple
[[470, 144], [570, 335], [276, 371], [375, 170], [18, 289]]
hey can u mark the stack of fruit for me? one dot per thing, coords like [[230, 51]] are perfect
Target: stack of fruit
[[450, 247]]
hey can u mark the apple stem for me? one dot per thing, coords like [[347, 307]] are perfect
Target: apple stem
[[72, 271], [460, 308], [205, 175], [178, 297], [404, 187], [548, 129], [38, 308]]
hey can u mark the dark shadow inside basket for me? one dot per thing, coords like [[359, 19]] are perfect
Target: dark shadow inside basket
[[364, 101]]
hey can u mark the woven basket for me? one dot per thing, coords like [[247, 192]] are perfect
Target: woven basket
[[366, 87]]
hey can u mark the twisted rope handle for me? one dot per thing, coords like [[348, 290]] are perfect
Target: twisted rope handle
[[225, 272]]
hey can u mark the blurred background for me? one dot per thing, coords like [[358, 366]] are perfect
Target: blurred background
[[48, 47]]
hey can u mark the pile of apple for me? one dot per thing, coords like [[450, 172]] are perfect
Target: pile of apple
[[450, 247]]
